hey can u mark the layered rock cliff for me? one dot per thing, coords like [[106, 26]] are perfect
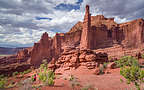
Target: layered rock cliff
[[95, 32]]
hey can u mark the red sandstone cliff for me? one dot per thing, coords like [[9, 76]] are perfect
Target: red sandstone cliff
[[93, 33]]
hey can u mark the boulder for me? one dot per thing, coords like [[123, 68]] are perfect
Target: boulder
[[111, 65]]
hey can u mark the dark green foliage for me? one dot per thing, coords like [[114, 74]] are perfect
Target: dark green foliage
[[127, 61]]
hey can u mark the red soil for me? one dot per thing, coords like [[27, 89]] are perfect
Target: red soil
[[86, 77]]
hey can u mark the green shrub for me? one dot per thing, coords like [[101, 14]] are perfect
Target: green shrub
[[133, 74], [45, 75], [127, 61], [42, 76], [44, 64], [51, 74], [50, 81], [131, 71], [3, 81]]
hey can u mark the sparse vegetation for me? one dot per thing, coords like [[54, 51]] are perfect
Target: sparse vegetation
[[36, 86], [73, 81], [131, 71], [127, 61], [71, 78], [88, 87], [45, 75], [3, 81]]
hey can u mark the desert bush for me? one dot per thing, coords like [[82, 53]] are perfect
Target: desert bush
[[45, 75], [133, 74], [3, 81], [131, 71], [73, 82], [44, 65], [127, 61], [50, 81]]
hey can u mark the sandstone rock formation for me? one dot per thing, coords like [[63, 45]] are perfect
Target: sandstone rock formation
[[96, 32], [88, 43], [85, 42], [76, 57]]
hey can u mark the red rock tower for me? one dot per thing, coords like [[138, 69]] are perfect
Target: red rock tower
[[86, 37]]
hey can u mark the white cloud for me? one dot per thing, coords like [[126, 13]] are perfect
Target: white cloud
[[18, 24]]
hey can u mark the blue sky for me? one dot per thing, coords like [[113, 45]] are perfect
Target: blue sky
[[22, 22]]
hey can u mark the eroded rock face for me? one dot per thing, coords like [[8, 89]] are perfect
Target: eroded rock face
[[86, 31], [74, 58], [88, 43], [95, 32]]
